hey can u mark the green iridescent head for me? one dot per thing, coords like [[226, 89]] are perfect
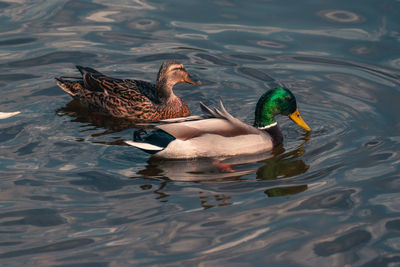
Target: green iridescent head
[[274, 102]]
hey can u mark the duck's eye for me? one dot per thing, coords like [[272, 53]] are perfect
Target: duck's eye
[[178, 68]]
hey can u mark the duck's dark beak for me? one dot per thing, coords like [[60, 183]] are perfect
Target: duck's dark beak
[[295, 116], [189, 80]]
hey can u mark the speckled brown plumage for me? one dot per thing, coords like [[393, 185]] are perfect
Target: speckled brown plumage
[[131, 99]]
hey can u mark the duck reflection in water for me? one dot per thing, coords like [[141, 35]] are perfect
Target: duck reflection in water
[[82, 114], [276, 167], [273, 165]]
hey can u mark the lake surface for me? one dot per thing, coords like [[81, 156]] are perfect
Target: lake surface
[[73, 195]]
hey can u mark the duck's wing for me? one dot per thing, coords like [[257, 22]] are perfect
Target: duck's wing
[[93, 79], [122, 88], [90, 81], [216, 121], [173, 120]]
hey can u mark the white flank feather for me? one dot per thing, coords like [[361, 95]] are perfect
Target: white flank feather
[[5, 115], [180, 119], [144, 146], [211, 145]]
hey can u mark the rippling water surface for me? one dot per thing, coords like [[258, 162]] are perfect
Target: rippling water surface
[[73, 195]]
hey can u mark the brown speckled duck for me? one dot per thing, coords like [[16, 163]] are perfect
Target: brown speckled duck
[[131, 99]]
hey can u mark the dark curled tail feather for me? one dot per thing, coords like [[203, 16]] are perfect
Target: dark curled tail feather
[[84, 70], [59, 79]]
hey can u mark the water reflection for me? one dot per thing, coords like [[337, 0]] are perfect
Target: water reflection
[[340, 33], [63, 245], [144, 24], [36, 217], [342, 16], [342, 243], [158, 190], [274, 165], [340, 199], [80, 113]]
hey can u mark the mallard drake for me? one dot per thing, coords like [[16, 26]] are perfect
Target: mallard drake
[[131, 99], [218, 133]]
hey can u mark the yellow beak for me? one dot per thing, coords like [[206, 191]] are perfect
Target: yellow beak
[[189, 80], [295, 116]]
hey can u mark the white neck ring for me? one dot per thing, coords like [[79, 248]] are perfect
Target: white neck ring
[[268, 126]]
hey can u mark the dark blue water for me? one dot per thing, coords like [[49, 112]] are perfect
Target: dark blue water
[[73, 195]]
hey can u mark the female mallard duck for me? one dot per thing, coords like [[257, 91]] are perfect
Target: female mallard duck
[[219, 134], [131, 99]]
